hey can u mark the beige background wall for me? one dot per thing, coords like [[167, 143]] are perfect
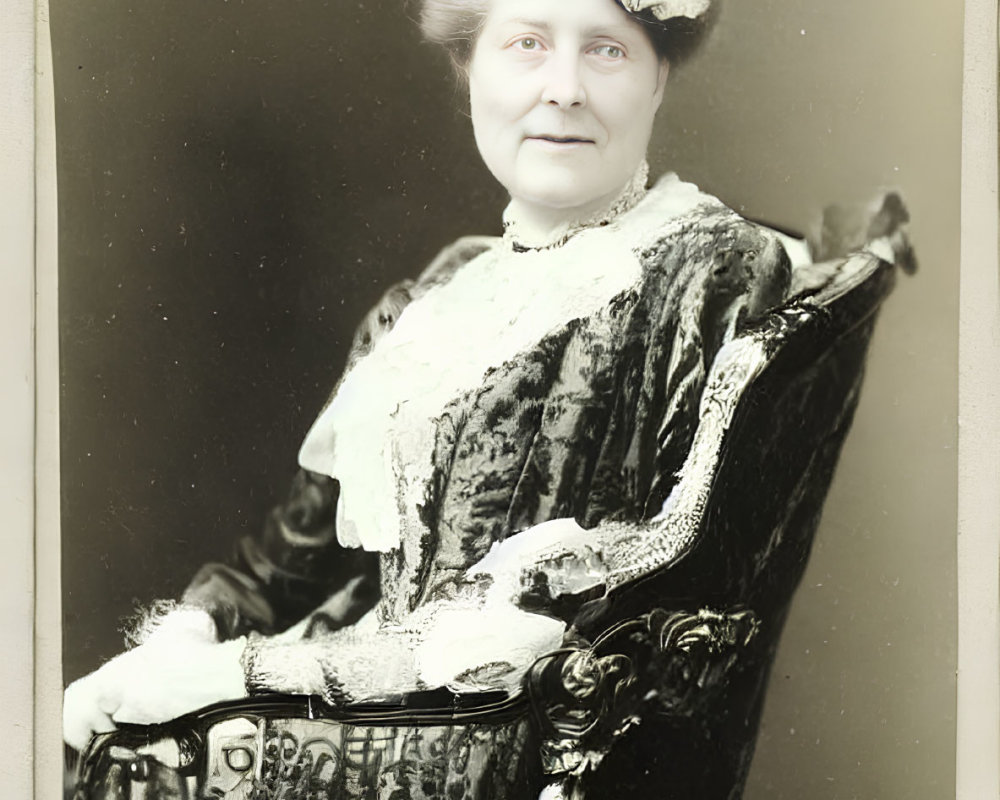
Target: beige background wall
[[802, 103], [238, 181]]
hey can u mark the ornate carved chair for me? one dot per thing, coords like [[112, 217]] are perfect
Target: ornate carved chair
[[660, 685]]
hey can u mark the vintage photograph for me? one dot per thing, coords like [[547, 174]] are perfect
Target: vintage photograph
[[508, 398]]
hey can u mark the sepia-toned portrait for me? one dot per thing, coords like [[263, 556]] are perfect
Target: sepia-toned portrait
[[508, 398]]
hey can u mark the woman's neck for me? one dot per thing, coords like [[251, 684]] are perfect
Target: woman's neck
[[529, 226]]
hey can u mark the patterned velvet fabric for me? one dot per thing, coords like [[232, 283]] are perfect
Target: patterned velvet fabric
[[593, 422], [702, 487]]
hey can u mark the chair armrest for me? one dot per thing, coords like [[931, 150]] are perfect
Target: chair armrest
[[587, 695]]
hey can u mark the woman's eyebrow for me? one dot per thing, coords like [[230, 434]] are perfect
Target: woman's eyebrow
[[528, 23], [613, 30]]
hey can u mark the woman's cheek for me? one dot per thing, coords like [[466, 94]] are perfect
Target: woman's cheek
[[629, 122]]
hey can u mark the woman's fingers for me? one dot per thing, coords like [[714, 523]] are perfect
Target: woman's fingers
[[171, 678], [177, 671], [531, 547], [484, 648], [87, 708]]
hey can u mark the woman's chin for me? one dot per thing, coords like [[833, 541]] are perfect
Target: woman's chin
[[558, 190], [568, 204], [575, 188]]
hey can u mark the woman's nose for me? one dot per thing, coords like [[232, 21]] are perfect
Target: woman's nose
[[564, 83]]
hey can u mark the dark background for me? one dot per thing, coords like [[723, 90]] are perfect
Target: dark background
[[239, 181]]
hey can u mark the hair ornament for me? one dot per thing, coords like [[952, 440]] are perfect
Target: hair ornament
[[668, 9]]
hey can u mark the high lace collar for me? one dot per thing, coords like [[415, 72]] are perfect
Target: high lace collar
[[518, 236]]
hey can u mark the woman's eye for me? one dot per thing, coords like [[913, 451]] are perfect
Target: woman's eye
[[609, 51], [527, 43]]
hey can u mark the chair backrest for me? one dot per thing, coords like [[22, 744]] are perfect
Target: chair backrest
[[695, 669]]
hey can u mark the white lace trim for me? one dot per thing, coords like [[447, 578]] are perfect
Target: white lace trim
[[377, 434], [519, 235]]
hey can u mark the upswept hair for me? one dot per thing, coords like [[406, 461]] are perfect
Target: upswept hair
[[455, 25]]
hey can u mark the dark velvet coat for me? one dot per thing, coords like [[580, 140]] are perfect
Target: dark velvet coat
[[593, 422]]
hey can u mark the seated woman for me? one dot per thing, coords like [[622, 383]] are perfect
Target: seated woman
[[517, 414]]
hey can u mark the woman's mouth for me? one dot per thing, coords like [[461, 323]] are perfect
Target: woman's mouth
[[560, 142]]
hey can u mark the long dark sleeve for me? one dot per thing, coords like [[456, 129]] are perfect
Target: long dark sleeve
[[288, 569], [294, 566]]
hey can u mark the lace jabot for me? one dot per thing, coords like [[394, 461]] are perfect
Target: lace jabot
[[377, 434], [519, 237]]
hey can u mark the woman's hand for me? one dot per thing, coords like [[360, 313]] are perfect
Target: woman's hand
[[179, 669], [532, 547], [565, 554], [490, 644]]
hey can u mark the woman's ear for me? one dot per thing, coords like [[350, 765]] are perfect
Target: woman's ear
[[661, 80]]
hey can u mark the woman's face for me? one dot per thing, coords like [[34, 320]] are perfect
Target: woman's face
[[563, 95]]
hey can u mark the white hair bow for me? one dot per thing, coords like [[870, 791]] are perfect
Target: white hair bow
[[667, 9]]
